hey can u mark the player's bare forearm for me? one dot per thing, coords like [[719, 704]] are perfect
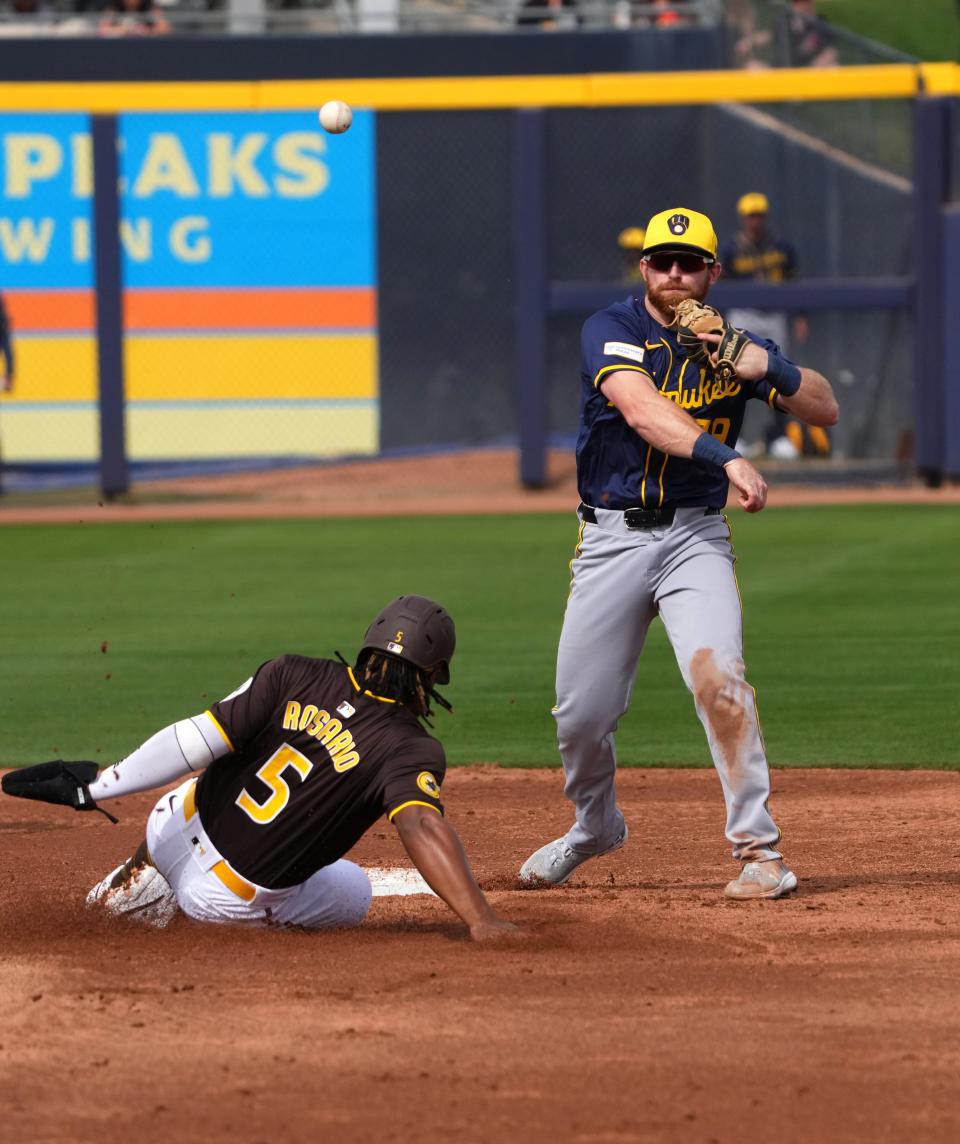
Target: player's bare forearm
[[655, 418], [813, 402], [437, 852]]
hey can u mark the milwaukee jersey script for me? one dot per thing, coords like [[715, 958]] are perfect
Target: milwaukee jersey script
[[618, 469]]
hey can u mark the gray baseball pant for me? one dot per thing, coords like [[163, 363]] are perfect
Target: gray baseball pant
[[621, 579]]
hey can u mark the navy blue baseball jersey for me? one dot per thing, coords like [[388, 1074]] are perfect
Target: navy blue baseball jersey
[[616, 468], [769, 260]]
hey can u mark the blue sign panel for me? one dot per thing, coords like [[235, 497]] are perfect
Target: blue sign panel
[[209, 200], [46, 183], [247, 199]]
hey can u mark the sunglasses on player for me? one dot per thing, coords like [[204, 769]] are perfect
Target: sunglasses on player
[[688, 263]]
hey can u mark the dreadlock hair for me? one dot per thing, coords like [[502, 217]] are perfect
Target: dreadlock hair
[[398, 679]]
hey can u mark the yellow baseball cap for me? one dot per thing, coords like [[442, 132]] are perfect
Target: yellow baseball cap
[[632, 238], [681, 229], [753, 203]]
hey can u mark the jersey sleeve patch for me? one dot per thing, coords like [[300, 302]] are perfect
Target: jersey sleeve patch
[[414, 774], [623, 349], [428, 784]]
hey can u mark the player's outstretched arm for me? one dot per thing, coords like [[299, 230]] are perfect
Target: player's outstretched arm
[[178, 750], [184, 747], [437, 852]]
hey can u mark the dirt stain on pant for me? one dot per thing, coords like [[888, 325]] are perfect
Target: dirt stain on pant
[[720, 695]]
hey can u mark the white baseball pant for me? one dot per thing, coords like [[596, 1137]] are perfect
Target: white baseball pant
[[208, 889], [622, 579]]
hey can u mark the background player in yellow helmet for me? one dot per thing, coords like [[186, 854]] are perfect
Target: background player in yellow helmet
[[630, 240], [756, 253]]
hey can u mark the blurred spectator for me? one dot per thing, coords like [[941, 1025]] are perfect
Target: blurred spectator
[[6, 350], [664, 14], [133, 18], [549, 15], [630, 242], [809, 39], [31, 8], [745, 38], [30, 18], [756, 254]]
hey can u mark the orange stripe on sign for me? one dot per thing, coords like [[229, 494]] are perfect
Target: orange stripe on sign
[[39, 310], [347, 308]]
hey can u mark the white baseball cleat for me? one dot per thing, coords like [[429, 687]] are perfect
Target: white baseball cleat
[[553, 864], [771, 878], [145, 897]]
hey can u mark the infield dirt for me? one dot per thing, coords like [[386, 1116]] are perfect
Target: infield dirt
[[643, 1007]]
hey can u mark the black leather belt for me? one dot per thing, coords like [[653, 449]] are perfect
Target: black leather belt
[[642, 517]]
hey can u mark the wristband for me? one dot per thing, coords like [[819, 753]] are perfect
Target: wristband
[[708, 449], [784, 375]]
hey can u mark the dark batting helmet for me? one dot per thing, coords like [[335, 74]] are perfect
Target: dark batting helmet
[[417, 630]]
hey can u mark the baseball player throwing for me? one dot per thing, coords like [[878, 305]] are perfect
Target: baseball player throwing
[[281, 779], [663, 396]]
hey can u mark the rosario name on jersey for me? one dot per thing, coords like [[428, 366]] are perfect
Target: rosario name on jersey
[[616, 468], [315, 762]]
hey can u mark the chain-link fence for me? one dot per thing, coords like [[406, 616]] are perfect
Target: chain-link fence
[[295, 296], [775, 33]]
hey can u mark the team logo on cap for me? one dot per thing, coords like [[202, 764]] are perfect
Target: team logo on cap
[[678, 223], [428, 784]]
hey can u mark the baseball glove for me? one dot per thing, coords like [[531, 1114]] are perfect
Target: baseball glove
[[692, 318], [66, 784]]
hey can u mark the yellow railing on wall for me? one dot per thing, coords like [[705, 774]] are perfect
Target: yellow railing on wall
[[883, 81]]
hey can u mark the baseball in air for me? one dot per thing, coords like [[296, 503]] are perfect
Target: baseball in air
[[335, 116]]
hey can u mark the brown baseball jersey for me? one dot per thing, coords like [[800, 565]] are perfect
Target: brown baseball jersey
[[315, 762]]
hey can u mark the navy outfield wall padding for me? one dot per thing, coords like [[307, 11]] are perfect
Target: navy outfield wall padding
[[930, 192], [530, 292], [951, 361], [114, 473]]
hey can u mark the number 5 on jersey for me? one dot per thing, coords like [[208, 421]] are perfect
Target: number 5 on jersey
[[271, 774]]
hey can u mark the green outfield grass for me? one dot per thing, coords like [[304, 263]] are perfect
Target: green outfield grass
[[852, 632], [928, 30]]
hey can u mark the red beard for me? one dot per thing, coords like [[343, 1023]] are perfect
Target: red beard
[[666, 297]]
